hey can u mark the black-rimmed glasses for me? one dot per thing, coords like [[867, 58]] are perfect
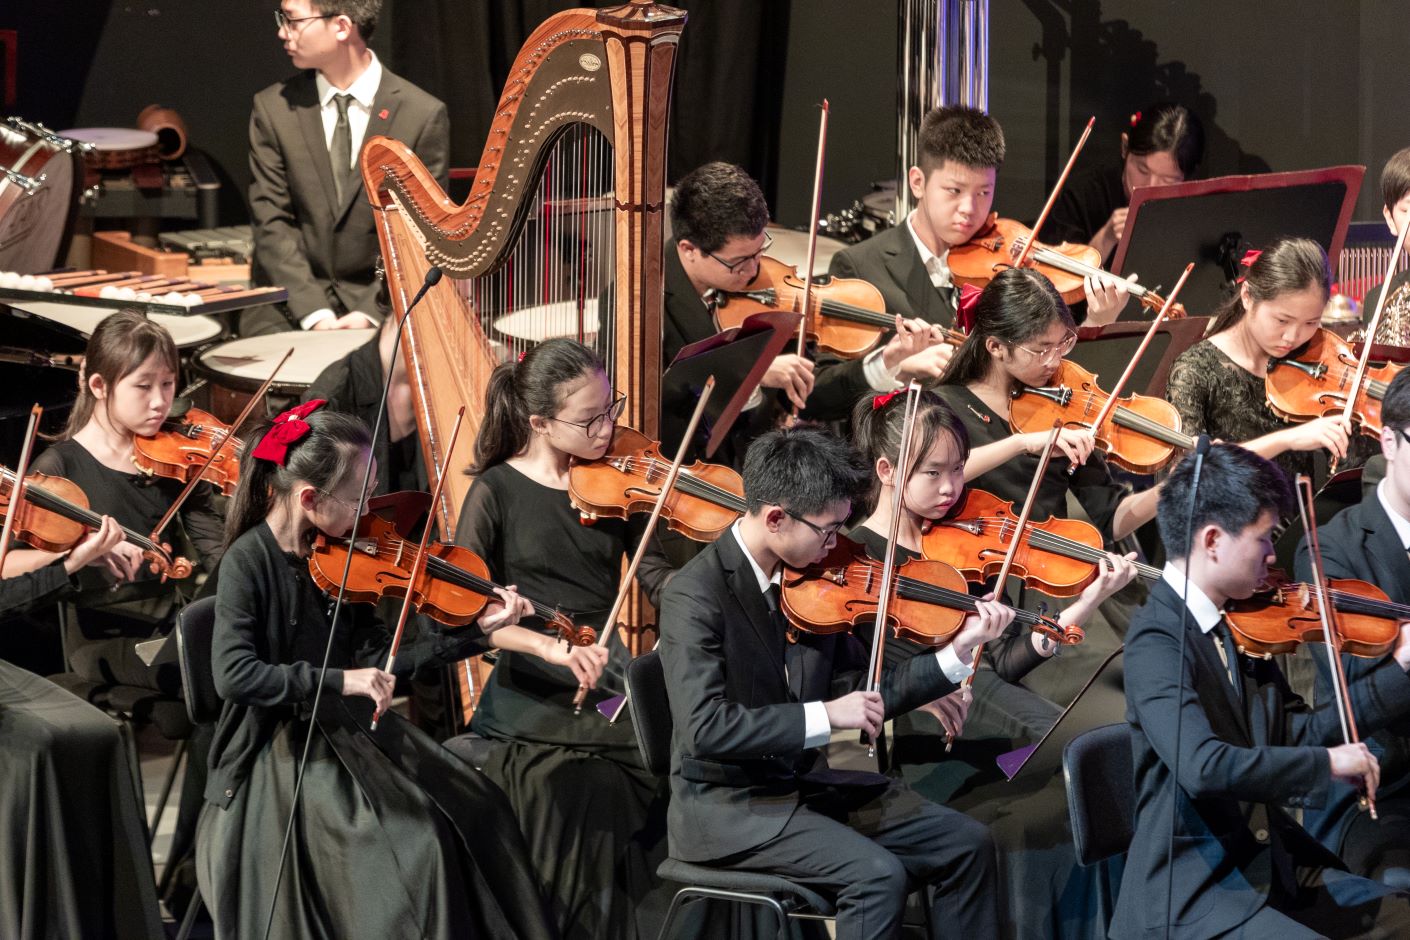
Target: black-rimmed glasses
[[826, 534], [594, 425], [281, 19], [731, 266]]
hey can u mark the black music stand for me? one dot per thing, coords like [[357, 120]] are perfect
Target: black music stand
[[1213, 222], [738, 359], [1100, 702], [1105, 351]]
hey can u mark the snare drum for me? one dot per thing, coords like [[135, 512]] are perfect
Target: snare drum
[[116, 148], [187, 332], [236, 369], [40, 176]]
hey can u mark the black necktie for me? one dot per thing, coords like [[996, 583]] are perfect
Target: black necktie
[[792, 652], [340, 150]]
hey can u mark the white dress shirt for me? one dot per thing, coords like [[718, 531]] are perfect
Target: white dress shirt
[[1401, 524], [1206, 614]]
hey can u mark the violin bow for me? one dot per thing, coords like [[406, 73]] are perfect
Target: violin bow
[[197, 477], [812, 237], [667, 485], [17, 491], [1365, 360], [1327, 610], [418, 562], [899, 474], [1113, 397], [1014, 546], [1052, 196]]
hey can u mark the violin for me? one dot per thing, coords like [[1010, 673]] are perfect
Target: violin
[[1314, 382], [1141, 434], [1276, 621], [706, 500], [55, 517], [1060, 557], [999, 244], [453, 589], [928, 605], [845, 316], [184, 445]]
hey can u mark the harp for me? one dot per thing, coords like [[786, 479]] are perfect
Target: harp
[[567, 201]]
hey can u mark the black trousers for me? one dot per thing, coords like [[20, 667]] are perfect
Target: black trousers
[[1332, 904], [870, 847]]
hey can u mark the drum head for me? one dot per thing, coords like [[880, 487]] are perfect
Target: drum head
[[34, 225], [244, 364]]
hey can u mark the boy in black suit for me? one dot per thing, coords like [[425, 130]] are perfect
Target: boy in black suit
[[1368, 542], [1221, 745], [750, 784]]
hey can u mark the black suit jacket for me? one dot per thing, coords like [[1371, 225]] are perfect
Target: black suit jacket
[[738, 760], [1360, 542], [890, 261], [321, 250], [1239, 765]]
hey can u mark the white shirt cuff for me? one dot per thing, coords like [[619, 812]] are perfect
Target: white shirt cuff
[[815, 724], [756, 398], [318, 316], [878, 376], [954, 668]]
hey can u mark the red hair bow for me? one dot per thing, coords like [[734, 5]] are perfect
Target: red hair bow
[[969, 300], [1135, 119], [1247, 261], [880, 401], [289, 428]]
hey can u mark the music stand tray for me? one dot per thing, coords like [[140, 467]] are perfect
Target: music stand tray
[[1213, 222], [738, 359]]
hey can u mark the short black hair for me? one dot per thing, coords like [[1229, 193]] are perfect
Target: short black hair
[[1236, 486], [965, 135], [803, 469], [1395, 407], [363, 13], [1395, 178], [716, 202]]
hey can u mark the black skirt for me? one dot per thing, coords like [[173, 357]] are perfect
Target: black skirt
[[395, 837]]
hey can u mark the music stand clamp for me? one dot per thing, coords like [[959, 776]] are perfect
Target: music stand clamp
[[738, 359], [1214, 221]]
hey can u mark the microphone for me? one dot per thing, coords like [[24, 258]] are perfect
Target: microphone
[[1202, 443], [433, 277]]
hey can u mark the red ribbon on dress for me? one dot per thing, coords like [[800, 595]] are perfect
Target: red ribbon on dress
[[969, 300], [289, 428]]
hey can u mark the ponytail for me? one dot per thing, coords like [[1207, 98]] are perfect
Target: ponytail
[[1289, 264], [518, 391], [1017, 305]]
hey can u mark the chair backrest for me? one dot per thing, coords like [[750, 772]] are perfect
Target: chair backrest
[[1096, 766], [195, 626], [651, 711]]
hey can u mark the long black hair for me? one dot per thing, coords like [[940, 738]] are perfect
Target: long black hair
[[1166, 126], [1289, 264], [324, 458], [876, 432], [1017, 305], [520, 390]]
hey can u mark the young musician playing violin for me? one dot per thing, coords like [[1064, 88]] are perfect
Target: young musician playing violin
[[396, 836], [1218, 384], [1022, 329], [1395, 209], [566, 774], [68, 764], [1221, 745], [127, 386], [1369, 542], [1164, 144], [934, 485]]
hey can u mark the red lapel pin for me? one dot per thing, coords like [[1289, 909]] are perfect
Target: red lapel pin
[[383, 114]]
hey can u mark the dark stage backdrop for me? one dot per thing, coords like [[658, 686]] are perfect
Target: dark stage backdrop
[[1281, 86]]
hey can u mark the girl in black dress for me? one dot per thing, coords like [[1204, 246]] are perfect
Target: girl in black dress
[[1164, 144], [935, 485], [129, 378], [1218, 384], [394, 835], [1021, 332], [592, 814]]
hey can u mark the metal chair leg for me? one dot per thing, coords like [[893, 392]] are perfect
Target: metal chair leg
[[166, 788], [737, 897], [189, 921]]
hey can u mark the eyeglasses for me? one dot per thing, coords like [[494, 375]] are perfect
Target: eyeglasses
[[1403, 433], [730, 266], [282, 20], [371, 488], [1052, 353], [594, 425], [826, 534]]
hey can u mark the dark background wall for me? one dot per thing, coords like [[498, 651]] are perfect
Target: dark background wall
[[1281, 86]]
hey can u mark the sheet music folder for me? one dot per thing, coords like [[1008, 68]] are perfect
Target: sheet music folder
[[738, 359], [1213, 222]]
